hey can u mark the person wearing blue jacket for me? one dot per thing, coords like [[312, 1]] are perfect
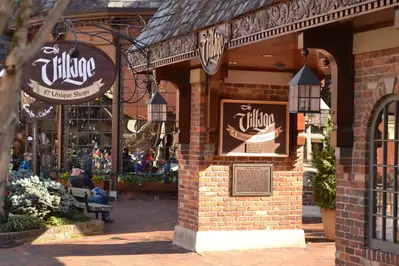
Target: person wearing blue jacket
[[26, 163]]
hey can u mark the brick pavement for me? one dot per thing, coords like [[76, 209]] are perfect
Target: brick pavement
[[142, 235]]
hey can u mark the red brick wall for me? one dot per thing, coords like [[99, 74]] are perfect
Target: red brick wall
[[371, 70], [208, 181]]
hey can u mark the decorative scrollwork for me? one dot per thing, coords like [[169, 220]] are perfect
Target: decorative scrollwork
[[285, 13], [178, 46]]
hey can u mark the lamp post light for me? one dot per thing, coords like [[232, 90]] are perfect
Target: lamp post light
[[319, 119], [304, 91]]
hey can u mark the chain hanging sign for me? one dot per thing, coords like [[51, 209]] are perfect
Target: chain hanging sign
[[34, 109], [54, 77], [211, 45]]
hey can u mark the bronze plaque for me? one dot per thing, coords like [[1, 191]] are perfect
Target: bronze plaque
[[54, 76], [252, 180], [253, 128]]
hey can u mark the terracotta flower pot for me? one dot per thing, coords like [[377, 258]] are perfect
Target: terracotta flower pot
[[62, 181], [99, 184], [329, 222]]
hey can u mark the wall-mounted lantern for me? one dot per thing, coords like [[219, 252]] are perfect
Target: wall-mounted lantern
[[156, 109], [304, 91]]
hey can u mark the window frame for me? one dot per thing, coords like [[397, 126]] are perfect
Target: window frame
[[380, 109]]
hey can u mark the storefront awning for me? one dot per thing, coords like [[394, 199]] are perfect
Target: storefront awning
[[172, 35]]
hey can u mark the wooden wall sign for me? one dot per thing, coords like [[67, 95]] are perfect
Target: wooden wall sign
[[53, 77], [34, 109], [212, 43], [252, 180], [254, 128]]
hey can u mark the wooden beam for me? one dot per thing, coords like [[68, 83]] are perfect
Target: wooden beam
[[338, 42], [181, 79]]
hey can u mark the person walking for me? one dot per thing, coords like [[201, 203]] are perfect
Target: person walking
[[26, 163], [87, 164]]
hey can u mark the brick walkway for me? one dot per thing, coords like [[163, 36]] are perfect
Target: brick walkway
[[142, 235]]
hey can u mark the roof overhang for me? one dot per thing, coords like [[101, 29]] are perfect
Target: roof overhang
[[272, 21]]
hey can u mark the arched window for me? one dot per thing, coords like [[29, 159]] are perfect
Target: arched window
[[384, 170]]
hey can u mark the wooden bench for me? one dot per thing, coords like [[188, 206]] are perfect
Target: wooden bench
[[82, 195]]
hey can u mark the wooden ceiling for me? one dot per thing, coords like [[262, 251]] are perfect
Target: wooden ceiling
[[279, 54]]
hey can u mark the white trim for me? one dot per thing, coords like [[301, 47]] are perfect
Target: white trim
[[203, 241]]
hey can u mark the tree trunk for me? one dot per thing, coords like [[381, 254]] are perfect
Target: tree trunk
[[20, 53]]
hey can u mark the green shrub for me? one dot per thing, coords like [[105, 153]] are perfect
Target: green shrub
[[71, 217], [75, 216], [34, 196], [324, 181], [78, 217], [18, 223], [55, 221]]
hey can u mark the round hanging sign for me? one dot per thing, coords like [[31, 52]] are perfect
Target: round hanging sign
[[34, 109], [54, 77]]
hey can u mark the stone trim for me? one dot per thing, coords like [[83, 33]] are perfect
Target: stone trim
[[273, 21], [204, 241], [61, 232]]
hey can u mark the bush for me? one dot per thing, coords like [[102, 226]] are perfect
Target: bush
[[34, 196], [324, 181], [55, 221], [18, 223], [17, 175], [78, 217], [71, 217]]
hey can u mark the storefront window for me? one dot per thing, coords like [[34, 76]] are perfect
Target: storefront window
[[48, 144], [384, 167], [149, 147], [88, 127]]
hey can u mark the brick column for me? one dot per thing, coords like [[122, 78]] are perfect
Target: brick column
[[210, 219]]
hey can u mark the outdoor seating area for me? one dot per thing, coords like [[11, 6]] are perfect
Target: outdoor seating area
[[82, 196]]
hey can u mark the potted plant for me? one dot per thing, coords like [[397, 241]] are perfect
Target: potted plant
[[63, 178], [98, 181], [324, 184]]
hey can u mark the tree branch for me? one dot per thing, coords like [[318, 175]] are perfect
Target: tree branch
[[44, 31], [5, 11]]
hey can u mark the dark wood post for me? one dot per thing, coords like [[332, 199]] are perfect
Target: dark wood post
[[116, 113]]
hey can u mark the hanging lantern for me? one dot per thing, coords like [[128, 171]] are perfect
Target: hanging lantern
[[304, 91], [319, 119], [156, 109]]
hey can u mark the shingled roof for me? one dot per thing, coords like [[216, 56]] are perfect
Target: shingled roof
[[82, 6], [178, 17]]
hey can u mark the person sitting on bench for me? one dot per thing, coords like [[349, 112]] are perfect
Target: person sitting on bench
[[79, 179]]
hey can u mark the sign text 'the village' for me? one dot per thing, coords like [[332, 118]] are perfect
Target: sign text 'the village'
[[53, 76]]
